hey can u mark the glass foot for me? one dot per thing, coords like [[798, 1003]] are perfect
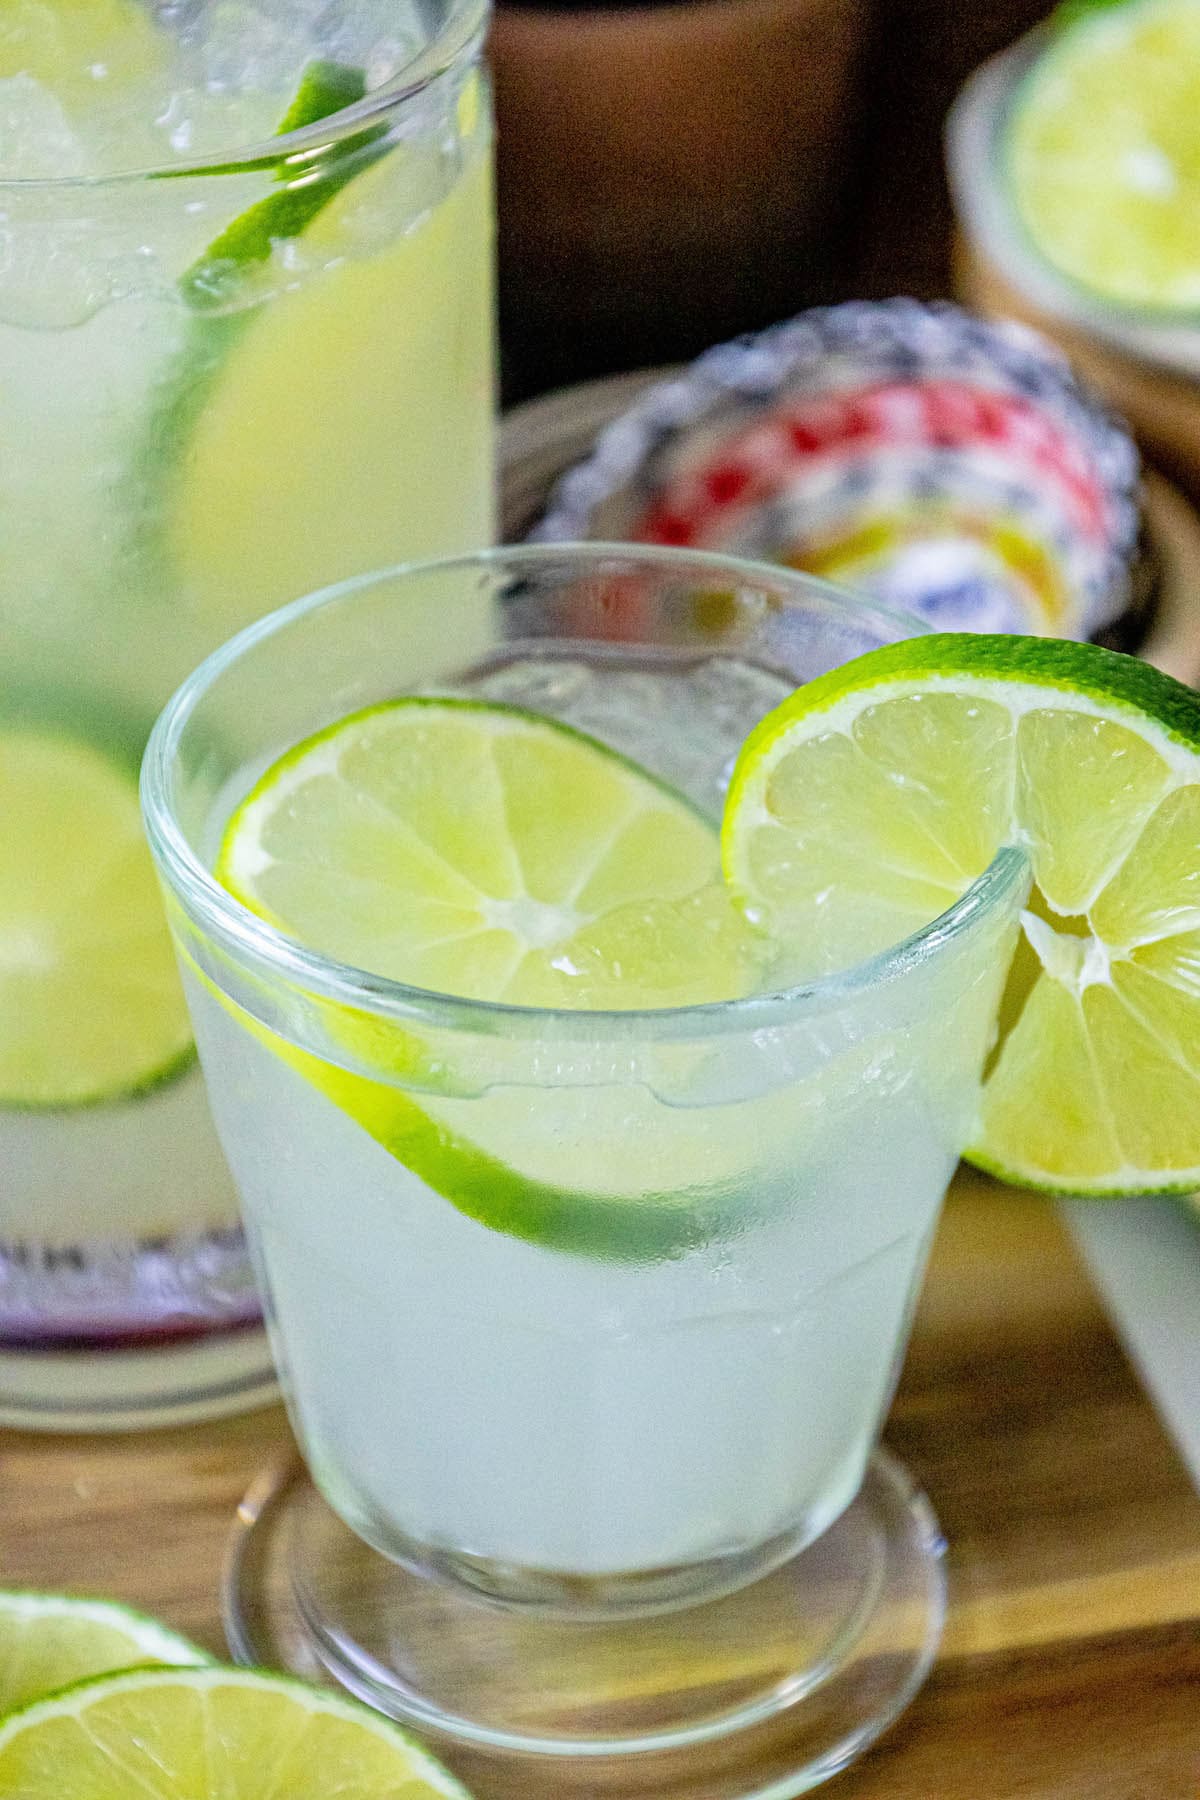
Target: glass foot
[[758, 1695]]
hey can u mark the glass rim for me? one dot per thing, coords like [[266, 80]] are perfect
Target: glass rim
[[459, 36], [249, 939]]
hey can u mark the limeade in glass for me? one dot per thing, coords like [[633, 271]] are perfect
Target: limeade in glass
[[590, 1312], [235, 364]]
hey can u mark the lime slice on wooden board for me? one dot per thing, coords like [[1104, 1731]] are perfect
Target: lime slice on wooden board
[[49, 1641], [192, 1734]]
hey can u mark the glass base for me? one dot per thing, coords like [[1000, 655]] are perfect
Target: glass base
[[107, 1389], [758, 1695]]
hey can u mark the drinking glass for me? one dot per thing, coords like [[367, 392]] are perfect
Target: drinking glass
[[589, 1379], [227, 379]]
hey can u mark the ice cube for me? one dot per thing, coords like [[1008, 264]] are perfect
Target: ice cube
[[36, 138]]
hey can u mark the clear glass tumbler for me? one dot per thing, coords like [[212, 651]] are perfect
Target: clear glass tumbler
[[590, 1379], [260, 365]]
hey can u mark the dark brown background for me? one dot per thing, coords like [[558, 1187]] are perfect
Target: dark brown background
[[672, 174]]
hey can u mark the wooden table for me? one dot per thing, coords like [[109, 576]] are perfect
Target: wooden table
[[1070, 1668]]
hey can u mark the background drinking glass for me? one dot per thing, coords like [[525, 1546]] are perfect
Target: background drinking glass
[[615, 1324], [227, 377]]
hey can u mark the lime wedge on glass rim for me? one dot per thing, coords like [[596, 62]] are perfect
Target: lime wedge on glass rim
[[495, 854], [868, 802], [192, 1734], [48, 1641], [1101, 154], [90, 1004]]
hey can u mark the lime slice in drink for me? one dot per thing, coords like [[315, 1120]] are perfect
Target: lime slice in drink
[[193, 1734], [1102, 155], [492, 853], [867, 803], [50, 1640], [90, 1005], [289, 373], [325, 88], [488, 852]]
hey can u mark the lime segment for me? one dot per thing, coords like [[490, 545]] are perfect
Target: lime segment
[[191, 1734], [1103, 152], [866, 805], [50, 1640], [90, 1005]]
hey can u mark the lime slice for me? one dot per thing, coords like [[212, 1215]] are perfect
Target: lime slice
[[193, 1734], [368, 373], [325, 88], [865, 805], [90, 1005], [50, 1640], [488, 852], [216, 277], [492, 853], [368, 354], [1103, 152]]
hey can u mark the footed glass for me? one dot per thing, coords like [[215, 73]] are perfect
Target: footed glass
[[590, 1392]]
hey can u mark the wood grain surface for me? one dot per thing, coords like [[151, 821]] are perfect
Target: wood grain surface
[[1070, 1668]]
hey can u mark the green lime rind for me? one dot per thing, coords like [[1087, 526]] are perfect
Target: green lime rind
[[325, 88], [130, 1093], [1133, 297], [1069, 13], [1120, 684], [478, 1184], [50, 1777]]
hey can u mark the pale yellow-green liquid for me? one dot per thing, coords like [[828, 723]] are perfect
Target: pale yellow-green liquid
[[167, 475]]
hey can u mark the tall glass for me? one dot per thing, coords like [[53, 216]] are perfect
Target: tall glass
[[587, 1322], [226, 379]]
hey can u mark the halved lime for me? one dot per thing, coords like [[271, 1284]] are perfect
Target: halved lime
[[492, 853], [90, 1004], [193, 1734], [866, 804], [50, 1640], [1102, 153]]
